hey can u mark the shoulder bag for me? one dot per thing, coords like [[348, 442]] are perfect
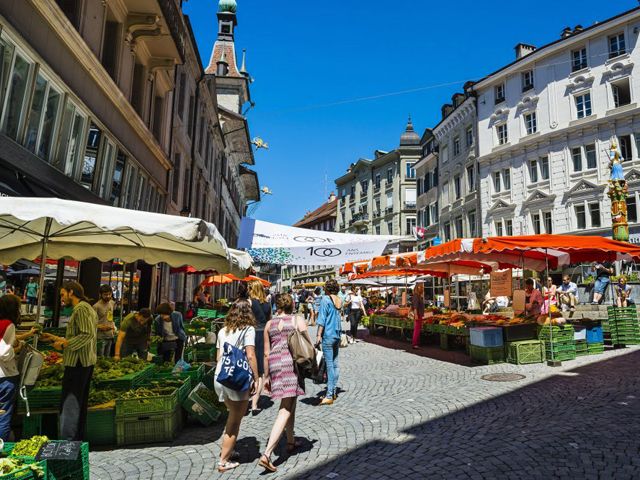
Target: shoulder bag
[[235, 373], [303, 352]]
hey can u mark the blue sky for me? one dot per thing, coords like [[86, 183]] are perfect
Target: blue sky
[[313, 61]]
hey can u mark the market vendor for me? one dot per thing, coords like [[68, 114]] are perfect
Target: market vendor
[[134, 335], [533, 298], [106, 327], [79, 358], [169, 325]]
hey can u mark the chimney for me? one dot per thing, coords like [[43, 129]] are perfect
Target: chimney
[[566, 32], [523, 49], [446, 109], [332, 197], [577, 29]]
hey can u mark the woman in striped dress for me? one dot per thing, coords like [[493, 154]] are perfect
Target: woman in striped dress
[[281, 378]]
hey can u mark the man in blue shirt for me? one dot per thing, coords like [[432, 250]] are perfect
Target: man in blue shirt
[[568, 293], [329, 331]]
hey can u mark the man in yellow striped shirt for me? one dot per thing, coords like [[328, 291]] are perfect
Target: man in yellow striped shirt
[[79, 358]]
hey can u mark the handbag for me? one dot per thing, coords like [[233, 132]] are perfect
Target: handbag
[[29, 363], [303, 353], [235, 373]]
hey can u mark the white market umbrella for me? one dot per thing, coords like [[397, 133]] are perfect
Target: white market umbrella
[[363, 282], [56, 228]]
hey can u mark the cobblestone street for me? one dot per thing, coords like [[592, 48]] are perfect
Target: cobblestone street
[[403, 415]]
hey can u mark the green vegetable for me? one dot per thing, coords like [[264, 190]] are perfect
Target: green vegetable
[[10, 465], [29, 447]]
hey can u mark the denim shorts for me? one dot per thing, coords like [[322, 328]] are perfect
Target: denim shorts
[[601, 284]]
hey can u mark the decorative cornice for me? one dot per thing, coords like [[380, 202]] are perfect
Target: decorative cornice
[[580, 83], [500, 115], [538, 197], [632, 176], [618, 69], [502, 206], [527, 104]]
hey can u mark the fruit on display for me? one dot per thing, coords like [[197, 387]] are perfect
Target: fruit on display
[[102, 396], [207, 395], [144, 392], [29, 447], [53, 358]]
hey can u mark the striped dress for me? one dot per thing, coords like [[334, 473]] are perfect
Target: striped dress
[[284, 380]]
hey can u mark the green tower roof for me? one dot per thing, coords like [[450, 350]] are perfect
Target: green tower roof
[[227, 6]]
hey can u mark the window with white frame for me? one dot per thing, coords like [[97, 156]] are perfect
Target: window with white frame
[[533, 171], [469, 136], [576, 158], [389, 204], [471, 178], [107, 164], [456, 146], [457, 187], [624, 142], [527, 80], [353, 192], [377, 181], [411, 172], [445, 193], [506, 178], [434, 212], [15, 111], [502, 134], [590, 154], [579, 59], [530, 123], [548, 222], [364, 187], [594, 214], [621, 92], [498, 92], [410, 198], [543, 164], [377, 229], [389, 176], [581, 217], [617, 45], [90, 158], [447, 231], [118, 178], [508, 225], [459, 227], [632, 208], [377, 202], [497, 183], [72, 135], [389, 228], [444, 154], [473, 228], [498, 228], [536, 222], [410, 226], [583, 105], [426, 217], [43, 117]]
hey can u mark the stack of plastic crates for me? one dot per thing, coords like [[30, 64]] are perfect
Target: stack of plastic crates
[[623, 325], [486, 345], [559, 342], [595, 339], [525, 351]]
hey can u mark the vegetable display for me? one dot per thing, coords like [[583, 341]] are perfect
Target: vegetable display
[[51, 376], [10, 465], [102, 396], [29, 447], [110, 369]]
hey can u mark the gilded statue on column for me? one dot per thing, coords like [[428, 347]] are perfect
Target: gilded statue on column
[[618, 191]]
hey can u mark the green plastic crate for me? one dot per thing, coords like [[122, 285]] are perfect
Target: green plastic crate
[[200, 409], [60, 469], [444, 341], [183, 389], [560, 347], [162, 404], [42, 398], [147, 428], [32, 425], [130, 381], [562, 356], [101, 426], [196, 373], [556, 333], [26, 473], [525, 352], [486, 355]]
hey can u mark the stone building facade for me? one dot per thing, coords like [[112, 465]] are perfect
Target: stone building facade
[[545, 124], [378, 196]]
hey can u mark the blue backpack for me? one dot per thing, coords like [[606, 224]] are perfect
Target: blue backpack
[[235, 373]]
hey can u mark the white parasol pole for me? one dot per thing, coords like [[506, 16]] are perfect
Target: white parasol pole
[[43, 265]]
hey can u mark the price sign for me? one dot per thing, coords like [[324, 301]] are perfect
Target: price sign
[[501, 284], [61, 450], [447, 298], [518, 301]]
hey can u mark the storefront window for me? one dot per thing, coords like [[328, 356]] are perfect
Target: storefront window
[[43, 116], [90, 156], [13, 115], [116, 184], [71, 138]]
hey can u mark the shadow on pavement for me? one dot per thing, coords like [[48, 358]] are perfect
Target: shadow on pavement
[[583, 423]]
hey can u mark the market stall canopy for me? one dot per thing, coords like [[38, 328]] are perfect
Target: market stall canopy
[[285, 245], [559, 250], [84, 230], [362, 282]]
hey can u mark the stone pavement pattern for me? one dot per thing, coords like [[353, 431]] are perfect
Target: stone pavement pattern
[[403, 415]]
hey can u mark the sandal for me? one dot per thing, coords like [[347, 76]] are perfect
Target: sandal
[[226, 466], [265, 462]]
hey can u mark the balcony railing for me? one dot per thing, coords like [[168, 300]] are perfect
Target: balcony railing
[[173, 17], [359, 218], [409, 204]]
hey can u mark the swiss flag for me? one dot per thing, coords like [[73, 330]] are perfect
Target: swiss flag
[[420, 232]]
